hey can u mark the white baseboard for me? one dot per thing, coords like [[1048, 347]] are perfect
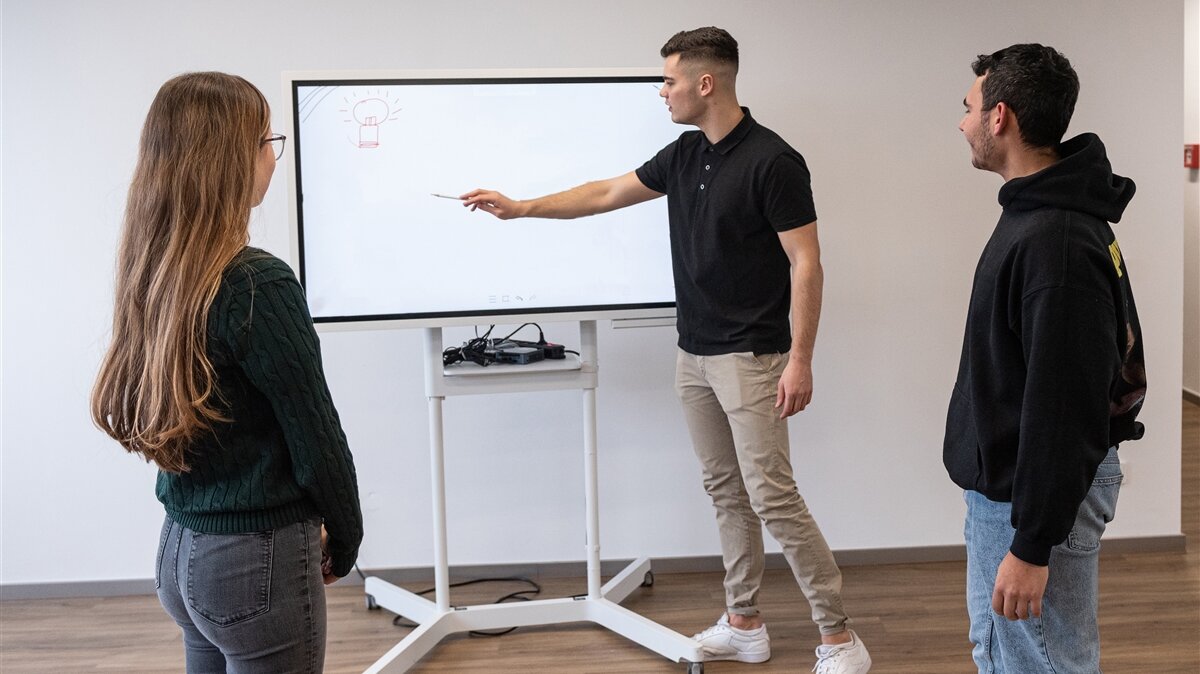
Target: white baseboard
[[664, 565]]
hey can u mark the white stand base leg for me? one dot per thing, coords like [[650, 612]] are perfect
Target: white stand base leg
[[604, 611], [629, 579]]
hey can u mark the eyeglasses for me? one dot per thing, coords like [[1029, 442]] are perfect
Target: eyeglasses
[[277, 142]]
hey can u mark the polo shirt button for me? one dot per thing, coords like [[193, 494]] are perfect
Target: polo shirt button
[[702, 186], [706, 167]]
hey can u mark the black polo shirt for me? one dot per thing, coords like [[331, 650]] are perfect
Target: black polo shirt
[[726, 204]]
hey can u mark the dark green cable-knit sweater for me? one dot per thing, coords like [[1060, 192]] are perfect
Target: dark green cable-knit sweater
[[282, 457]]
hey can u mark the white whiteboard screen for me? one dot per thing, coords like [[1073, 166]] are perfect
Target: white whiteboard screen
[[375, 244]]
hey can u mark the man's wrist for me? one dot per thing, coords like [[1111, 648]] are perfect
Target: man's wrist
[[800, 358]]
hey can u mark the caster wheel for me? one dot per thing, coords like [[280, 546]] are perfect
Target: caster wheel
[[648, 581], [371, 605], [695, 668]]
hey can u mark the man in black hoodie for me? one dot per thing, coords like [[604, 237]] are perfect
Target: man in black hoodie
[[1052, 373]]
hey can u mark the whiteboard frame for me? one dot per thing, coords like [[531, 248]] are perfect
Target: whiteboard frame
[[659, 313]]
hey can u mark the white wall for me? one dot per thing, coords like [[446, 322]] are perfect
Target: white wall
[[869, 92], [1191, 202]]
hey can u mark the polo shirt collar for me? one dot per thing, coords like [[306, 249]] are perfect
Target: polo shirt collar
[[735, 136]]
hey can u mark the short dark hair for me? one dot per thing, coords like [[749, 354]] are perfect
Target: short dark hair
[[703, 44], [1038, 83]]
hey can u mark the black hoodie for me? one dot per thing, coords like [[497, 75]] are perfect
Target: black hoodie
[[1052, 371]]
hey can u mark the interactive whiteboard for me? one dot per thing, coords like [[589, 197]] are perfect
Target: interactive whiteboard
[[369, 152]]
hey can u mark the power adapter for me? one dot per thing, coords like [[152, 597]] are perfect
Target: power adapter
[[549, 350]]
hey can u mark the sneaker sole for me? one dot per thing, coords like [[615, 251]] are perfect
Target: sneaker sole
[[749, 658]]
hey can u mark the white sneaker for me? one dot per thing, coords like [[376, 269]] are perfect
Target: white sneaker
[[848, 658], [726, 642]]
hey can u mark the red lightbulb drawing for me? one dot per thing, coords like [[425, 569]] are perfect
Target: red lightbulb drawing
[[369, 112]]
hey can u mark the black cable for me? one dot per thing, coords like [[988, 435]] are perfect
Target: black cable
[[541, 341], [541, 336], [473, 350], [401, 621]]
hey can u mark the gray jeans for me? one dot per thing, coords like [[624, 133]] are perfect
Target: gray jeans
[[742, 444], [247, 603]]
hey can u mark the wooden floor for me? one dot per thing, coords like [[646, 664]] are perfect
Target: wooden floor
[[912, 616]]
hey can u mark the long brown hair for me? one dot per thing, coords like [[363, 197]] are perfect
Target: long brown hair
[[186, 219]]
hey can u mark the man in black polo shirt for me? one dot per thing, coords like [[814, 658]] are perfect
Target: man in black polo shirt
[[745, 253]]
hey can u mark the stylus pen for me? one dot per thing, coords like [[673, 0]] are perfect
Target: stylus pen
[[444, 196]]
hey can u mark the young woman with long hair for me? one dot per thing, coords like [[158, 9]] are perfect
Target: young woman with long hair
[[214, 374]]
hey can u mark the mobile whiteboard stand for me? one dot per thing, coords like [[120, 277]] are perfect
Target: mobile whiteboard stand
[[438, 619]]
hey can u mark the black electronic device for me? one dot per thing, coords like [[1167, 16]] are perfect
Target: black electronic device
[[519, 355]]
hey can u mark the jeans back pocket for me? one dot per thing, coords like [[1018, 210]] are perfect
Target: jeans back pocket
[[229, 576], [1099, 507]]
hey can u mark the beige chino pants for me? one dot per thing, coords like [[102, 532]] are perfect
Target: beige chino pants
[[742, 444]]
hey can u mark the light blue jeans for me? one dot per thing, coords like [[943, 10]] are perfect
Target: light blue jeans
[[247, 603], [1066, 639]]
